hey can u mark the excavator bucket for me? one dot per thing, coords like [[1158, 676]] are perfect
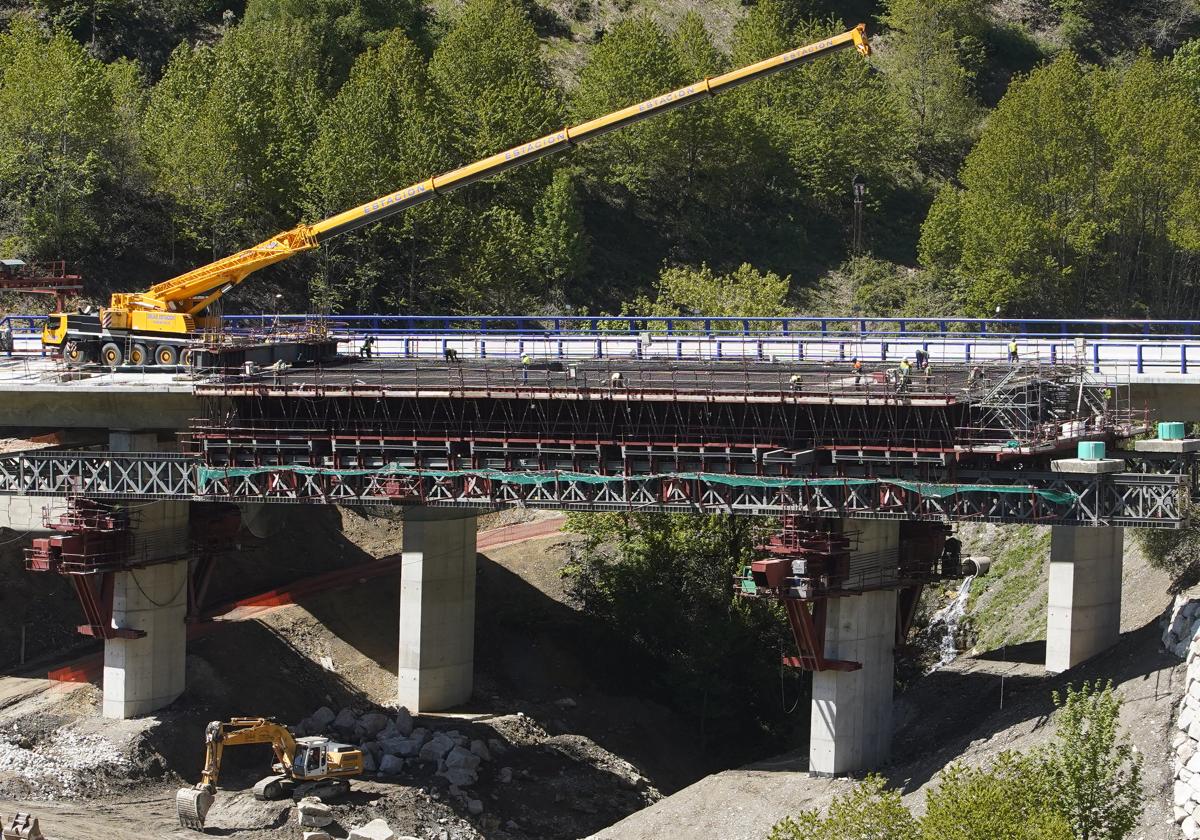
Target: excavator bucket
[[192, 804], [23, 827]]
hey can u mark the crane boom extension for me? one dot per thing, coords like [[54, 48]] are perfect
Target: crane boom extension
[[171, 307]]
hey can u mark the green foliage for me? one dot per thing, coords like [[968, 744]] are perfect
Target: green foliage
[[1094, 774], [1175, 551], [64, 148], [922, 60], [1084, 785], [665, 581], [228, 129], [1011, 800], [869, 812], [743, 292], [884, 288], [1080, 196]]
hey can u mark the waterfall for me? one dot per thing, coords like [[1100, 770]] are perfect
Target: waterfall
[[949, 617]]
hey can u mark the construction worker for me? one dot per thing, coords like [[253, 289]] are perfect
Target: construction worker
[[364, 352], [857, 367], [1012, 351], [6, 337], [976, 375], [526, 361], [616, 380], [794, 381], [905, 375], [922, 360]]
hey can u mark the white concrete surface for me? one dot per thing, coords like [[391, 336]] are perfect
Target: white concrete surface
[[437, 609], [146, 674], [851, 725], [1083, 616]]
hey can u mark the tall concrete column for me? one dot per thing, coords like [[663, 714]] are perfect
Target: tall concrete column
[[851, 725], [146, 674], [1083, 616], [437, 609]]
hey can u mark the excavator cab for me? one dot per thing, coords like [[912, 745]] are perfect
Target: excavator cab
[[311, 760]]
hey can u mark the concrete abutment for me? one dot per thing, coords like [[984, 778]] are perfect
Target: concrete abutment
[[437, 609]]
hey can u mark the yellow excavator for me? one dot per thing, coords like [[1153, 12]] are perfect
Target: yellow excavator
[[312, 766], [155, 327]]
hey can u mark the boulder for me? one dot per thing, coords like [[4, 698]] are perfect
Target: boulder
[[496, 746], [566, 703], [374, 830], [390, 765], [480, 749], [1182, 792], [404, 721], [437, 747], [316, 835], [369, 763], [389, 731], [345, 721], [458, 757], [474, 807], [372, 723], [1190, 830], [321, 718], [460, 776], [505, 775]]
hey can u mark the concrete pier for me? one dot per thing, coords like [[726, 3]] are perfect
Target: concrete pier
[[437, 609], [1083, 616], [852, 710], [146, 674]]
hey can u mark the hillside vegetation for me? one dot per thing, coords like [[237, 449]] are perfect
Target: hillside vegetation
[[1036, 156]]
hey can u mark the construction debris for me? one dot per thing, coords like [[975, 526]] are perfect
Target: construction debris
[[374, 830], [313, 813]]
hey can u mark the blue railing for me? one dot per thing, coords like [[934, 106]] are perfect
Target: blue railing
[[800, 326]]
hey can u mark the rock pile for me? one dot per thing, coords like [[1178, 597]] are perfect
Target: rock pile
[[392, 744], [1182, 637]]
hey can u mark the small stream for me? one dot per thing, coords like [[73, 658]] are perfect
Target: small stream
[[950, 616]]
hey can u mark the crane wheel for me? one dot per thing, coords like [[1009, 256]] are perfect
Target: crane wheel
[[166, 355], [111, 355], [139, 355], [191, 806], [75, 354]]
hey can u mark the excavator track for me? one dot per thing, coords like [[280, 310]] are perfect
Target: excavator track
[[273, 787], [327, 790]]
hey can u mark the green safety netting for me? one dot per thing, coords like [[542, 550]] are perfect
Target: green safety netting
[[206, 475]]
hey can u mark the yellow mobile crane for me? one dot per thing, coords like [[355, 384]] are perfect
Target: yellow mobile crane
[[154, 326], [312, 766]]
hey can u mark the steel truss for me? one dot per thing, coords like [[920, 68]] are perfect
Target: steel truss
[[1127, 499]]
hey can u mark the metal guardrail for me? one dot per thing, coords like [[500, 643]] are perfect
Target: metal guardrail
[[797, 326]]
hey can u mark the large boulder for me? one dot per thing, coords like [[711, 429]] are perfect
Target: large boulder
[[345, 721], [374, 830], [460, 776], [313, 812], [465, 759], [321, 719], [372, 723], [436, 749], [404, 721], [480, 749], [390, 765]]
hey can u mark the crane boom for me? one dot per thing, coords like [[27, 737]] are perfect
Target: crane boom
[[171, 308], [201, 282]]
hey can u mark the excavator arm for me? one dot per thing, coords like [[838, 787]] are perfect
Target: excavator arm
[[190, 293], [192, 804]]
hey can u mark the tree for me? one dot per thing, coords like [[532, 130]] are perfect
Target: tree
[[1094, 774], [744, 292], [1081, 195], [870, 811], [386, 128], [1010, 800], [65, 155], [922, 61], [559, 242], [227, 133]]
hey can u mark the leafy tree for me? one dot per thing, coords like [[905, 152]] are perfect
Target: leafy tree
[[559, 241], [870, 811], [1175, 550], [1094, 774], [228, 129], [664, 580], [1082, 191], [65, 155], [1009, 800], [385, 129], [922, 60], [744, 292], [345, 28]]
